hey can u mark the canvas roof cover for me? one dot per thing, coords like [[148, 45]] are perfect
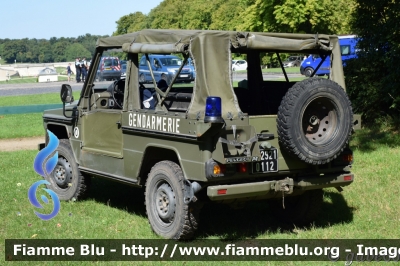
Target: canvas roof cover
[[211, 52]]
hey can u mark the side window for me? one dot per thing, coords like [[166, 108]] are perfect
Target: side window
[[142, 62], [345, 49], [156, 63]]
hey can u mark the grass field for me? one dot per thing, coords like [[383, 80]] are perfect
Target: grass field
[[367, 209], [21, 125], [18, 80], [33, 99]]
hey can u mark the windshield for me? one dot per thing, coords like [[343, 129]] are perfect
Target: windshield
[[171, 61]]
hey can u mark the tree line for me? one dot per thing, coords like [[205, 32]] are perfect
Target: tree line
[[373, 78], [45, 51], [292, 16]]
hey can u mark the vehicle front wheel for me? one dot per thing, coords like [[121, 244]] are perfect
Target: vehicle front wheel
[[66, 180], [168, 215]]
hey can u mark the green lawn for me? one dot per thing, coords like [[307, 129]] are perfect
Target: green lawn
[[18, 80], [367, 209], [33, 99], [292, 70], [21, 125]]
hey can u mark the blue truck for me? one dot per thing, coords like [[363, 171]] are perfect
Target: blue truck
[[311, 63]]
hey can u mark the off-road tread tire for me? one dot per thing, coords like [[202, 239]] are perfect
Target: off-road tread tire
[[299, 210], [189, 217], [82, 182], [287, 121]]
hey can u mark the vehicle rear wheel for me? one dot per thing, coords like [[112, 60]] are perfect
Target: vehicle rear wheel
[[308, 71], [66, 180], [315, 120], [299, 210], [168, 215]]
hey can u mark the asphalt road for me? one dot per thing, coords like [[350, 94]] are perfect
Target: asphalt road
[[40, 88]]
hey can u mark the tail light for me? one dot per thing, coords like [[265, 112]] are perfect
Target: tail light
[[348, 158], [241, 167]]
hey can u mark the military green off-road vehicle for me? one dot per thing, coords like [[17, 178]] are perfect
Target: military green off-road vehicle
[[227, 137]]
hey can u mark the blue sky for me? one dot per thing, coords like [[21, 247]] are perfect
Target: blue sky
[[44, 19]]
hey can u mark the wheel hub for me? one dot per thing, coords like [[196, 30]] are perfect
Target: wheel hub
[[62, 173], [165, 203], [320, 121]]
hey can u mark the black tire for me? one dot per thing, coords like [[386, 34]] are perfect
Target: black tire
[[168, 215], [66, 180], [142, 78], [299, 210], [308, 71], [315, 120]]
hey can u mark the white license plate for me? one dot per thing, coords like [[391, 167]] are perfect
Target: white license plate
[[183, 76], [268, 163]]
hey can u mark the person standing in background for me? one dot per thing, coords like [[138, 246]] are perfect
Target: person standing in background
[[69, 71], [78, 70], [84, 69]]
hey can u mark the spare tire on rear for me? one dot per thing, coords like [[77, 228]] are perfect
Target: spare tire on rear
[[315, 120]]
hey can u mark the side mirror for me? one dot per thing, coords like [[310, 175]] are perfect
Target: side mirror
[[67, 97], [66, 94]]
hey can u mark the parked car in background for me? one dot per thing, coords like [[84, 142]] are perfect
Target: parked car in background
[[109, 69], [123, 70], [165, 64], [347, 50], [292, 61], [239, 65]]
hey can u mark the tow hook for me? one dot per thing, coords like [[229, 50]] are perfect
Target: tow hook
[[190, 188], [286, 186]]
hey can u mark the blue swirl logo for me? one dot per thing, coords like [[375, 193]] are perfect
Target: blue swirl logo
[[44, 167]]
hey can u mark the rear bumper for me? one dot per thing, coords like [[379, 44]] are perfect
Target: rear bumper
[[270, 189], [111, 74]]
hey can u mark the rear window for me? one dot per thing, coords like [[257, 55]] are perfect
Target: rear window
[[110, 62]]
